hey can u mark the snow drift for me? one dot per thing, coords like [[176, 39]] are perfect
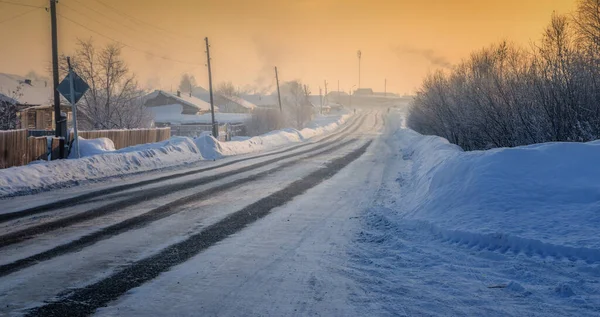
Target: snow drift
[[539, 199], [99, 159]]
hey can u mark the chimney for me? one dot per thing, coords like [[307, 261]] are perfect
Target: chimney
[[178, 93]]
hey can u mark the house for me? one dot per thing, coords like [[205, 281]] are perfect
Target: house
[[34, 100], [263, 101], [190, 105], [233, 104], [364, 91], [190, 116]]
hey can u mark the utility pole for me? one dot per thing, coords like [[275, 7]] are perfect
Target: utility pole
[[215, 129], [359, 54], [385, 88], [325, 97], [338, 101], [278, 92], [57, 117], [321, 98]]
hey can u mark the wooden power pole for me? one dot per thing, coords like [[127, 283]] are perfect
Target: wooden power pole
[[385, 88], [278, 92], [215, 129], [55, 83]]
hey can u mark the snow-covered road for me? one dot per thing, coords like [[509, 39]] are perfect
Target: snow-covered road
[[329, 231]]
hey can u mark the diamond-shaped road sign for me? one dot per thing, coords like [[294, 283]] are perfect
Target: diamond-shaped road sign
[[79, 86]]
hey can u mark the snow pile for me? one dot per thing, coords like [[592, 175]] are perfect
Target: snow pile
[[93, 147], [99, 161], [213, 149], [541, 199]]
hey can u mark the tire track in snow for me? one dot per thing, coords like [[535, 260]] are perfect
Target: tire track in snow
[[84, 301], [27, 233], [79, 199], [148, 217]]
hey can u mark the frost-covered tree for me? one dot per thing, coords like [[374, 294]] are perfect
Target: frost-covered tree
[[297, 109], [227, 89], [504, 96], [187, 83], [8, 109], [114, 98]]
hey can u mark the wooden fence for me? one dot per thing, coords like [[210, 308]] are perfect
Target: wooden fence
[[17, 149], [125, 138]]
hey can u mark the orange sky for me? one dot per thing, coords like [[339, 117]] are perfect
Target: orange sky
[[312, 40]]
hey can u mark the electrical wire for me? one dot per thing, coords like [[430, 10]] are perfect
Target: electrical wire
[[108, 26], [125, 44], [141, 21], [119, 21], [22, 4], [18, 15]]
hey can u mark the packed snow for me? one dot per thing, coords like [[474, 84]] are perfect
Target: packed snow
[[503, 232], [99, 160]]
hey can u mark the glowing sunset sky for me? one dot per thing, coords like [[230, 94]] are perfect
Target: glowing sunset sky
[[310, 40]]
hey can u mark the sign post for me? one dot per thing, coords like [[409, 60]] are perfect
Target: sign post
[[74, 108], [73, 88]]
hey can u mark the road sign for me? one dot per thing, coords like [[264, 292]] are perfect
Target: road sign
[[79, 86]]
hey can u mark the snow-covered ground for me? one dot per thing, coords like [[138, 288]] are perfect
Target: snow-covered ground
[[504, 232], [414, 227], [99, 160]]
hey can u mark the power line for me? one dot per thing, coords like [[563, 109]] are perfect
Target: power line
[[18, 15], [22, 4], [108, 26], [126, 45], [140, 21], [119, 21]]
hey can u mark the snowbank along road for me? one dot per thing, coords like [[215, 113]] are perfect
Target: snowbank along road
[[367, 220]]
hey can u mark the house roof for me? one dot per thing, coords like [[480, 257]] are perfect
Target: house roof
[[261, 100], [183, 99], [240, 101], [63, 107], [172, 114], [39, 92]]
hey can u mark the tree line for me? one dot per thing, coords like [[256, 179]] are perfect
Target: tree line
[[506, 96]]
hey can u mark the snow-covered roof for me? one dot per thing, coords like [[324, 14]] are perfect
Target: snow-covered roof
[[240, 101], [184, 99], [261, 100], [172, 114], [39, 92]]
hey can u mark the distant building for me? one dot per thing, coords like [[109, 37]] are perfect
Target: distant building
[[263, 101], [189, 105], [364, 91], [233, 104]]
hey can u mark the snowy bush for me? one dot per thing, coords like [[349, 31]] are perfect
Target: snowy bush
[[505, 96], [265, 120]]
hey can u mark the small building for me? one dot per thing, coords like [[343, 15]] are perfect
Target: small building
[[233, 104], [42, 117], [364, 91], [262, 101], [34, 100], [190, 105]]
